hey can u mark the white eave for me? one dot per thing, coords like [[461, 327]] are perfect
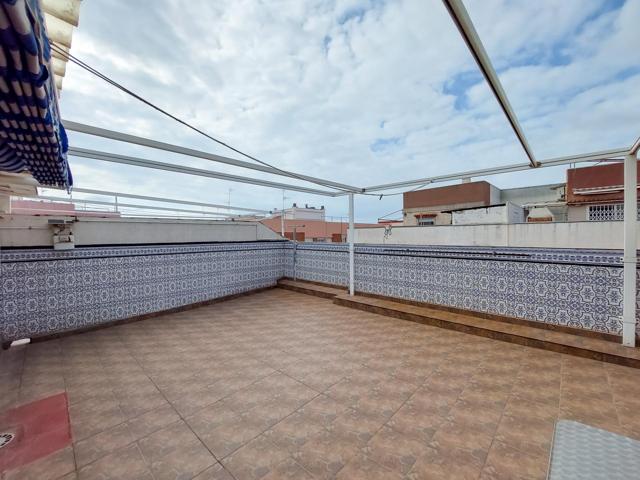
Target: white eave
[[61, 16]]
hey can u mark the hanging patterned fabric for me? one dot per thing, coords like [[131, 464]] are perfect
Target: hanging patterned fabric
[[32, 138]]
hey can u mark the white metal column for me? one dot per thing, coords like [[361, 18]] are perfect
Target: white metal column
[[630, 245], [282, 216], [351, 248]]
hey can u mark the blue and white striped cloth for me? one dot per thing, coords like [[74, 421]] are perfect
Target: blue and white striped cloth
[[32, 137]]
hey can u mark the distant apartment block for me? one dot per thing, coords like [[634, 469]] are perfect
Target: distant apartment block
[[483, 203], [596, 193], [310, 224], [593, 194], [302, 213]]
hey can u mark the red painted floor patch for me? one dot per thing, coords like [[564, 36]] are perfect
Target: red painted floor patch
[[40, 428]]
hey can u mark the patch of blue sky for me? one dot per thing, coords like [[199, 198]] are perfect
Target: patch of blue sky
[[458, 86], [627, 73], [606, 7], [620, 76], [357, 13], [555, 56], [326, 43], [558, 54], [386, 144], [352, 14]]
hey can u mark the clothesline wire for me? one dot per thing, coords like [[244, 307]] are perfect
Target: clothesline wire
[[124, 89]]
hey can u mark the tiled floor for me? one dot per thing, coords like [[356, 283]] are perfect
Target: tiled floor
[[284, 385]]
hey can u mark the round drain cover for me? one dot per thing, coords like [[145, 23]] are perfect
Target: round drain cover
[[5, 438]]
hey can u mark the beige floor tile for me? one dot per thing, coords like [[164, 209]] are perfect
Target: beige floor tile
[[50, 467], [125, 464], [328, 391], [151, 421], [394, 450], [256, 459], [102, 444], [214, 472], [362, 467]]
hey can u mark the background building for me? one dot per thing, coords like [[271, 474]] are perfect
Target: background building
[[301, 213], [431, 206], [483, 203], [595, 193], [505, 213], [310, 224]]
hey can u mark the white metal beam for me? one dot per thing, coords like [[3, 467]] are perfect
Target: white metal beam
[[635, 147], [163, 199], [130, 205], [352, 274], [147, 142], [551, 162], [465, 26], [140, 162], [630, 259]]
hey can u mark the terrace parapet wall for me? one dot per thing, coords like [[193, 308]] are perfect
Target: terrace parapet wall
[[46, 291]]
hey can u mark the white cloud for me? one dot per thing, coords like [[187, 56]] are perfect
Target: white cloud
[[311, 86]]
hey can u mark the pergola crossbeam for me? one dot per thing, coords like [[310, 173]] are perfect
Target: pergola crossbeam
[[140, 162], [469, 34], [147, 142], [551, 162]]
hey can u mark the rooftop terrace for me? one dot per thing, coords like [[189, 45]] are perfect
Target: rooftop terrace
[[258, 387]]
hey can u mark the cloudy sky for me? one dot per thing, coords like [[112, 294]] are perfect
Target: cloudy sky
[[362, 92]]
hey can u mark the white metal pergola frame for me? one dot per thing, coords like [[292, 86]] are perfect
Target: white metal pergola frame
[[463, 22], [174, 201]]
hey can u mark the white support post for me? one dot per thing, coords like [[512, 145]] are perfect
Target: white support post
[[351, 248], [282, 216], [630, 256]]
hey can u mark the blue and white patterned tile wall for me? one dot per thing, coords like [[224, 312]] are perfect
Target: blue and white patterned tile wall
[[45, 291], [318, 262], [577, 288]]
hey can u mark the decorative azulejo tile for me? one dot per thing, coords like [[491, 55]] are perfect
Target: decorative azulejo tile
[[44, 291], [578, 288]]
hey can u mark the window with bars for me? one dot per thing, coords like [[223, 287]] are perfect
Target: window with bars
[[606, 213], [426, 221]]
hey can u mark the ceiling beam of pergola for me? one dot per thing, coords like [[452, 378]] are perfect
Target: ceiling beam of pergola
[[551, 162], [147, 142], [469, 34], [140, 162], [465, 26]]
